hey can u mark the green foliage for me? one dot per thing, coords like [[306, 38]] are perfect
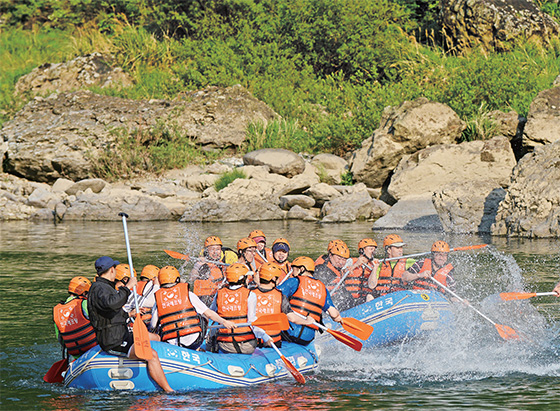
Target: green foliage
[[278, 133], [227, 178], [481, 126], [550, 7], [347, 178]]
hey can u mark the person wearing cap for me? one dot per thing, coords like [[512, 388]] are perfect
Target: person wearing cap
[[437, 267], [105, 306], [356, 282], [309, 298], [72, 325], [389, 273], [280, 253], [208, 272], [263, 254], [333, 270], [236, 303], [177, 310]]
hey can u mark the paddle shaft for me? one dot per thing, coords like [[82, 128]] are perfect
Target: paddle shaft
[[289, 366], [129, 255], [465, 248], [337, 286]]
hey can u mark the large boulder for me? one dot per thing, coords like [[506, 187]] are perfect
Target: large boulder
[[332, 166], [427, 170], [543, 120], [63, 135], [531, 207], [495, 24], [355, 205], [412, 126], [278, 160], [469, 206], [411, 213], [85, 71]]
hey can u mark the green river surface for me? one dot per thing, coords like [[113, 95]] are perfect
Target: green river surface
[[469, 367]]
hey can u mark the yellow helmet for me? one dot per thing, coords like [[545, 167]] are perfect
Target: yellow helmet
[[393, 240], [79, 285], [213, 240], [168, 275], [440, 246], [366, 242], [341, 250], [235, 272], [149, 271], [245, 243], [268, 271], [123, 270], [305, 262]]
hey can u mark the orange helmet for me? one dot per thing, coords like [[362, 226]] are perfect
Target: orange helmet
[[79, 285], [168, 275], [149, 271], [278, 245], [213, 240], [235, 272], [366, 242], [332, 243], [305, 262], [256, 233], [393, 240], [245, 243], [440, 246], [123, 270], [268, 271], [341, 249]]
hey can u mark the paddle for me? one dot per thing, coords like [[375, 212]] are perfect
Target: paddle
[[54, 374], [507, 333], [142, 346], [186, 257], [270, 321], [343, 338], [289, 366], [523, 296], [464, 248], [357, 328]]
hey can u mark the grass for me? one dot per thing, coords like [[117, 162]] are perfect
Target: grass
[[227, 178]]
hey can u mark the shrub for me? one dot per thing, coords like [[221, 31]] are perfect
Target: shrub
[[227, 178]]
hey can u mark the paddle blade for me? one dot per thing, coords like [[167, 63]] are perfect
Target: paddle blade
[[54, 374], [507, 333], [142, 345], [293, 370], [470, 247], [516, 296], [272, 322], [346, 339], [176, 255], [357, 328]]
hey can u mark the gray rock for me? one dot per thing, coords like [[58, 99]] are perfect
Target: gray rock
[[322, 193], [41, 198], [59, 211], [94, 184], [411, 213], [333, 166], [543, 120], [289, 201], [357, 205], [298, 184], [299, 213], [61, 185], [279, 161]]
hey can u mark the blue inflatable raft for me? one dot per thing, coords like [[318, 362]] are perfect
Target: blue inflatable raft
[[187, 369], [400, 315]]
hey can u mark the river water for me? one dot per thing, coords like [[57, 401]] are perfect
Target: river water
[[467, 367]]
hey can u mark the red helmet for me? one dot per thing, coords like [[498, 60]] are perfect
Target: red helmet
[[393, 240], [235, 271], [305, 262], [440, 246], [245, 243], [168, 275], [268, 271], [79, 285], [341, 249], [212, 240], [123, 270], [149, 271]]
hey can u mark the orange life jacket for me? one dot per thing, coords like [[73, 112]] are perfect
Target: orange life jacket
[[75, 329], [269, 302], [265, 257], [232, 306], [356, 281], [440, 275], [309, 298], [147, 316], [210, 285], [335, 270], [390, 277], [321, 259], [286, 267], [176, 313]]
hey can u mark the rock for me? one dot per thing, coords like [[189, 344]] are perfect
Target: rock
[[412, 126], [543, 120], [531, 207], [91, 70], [495, 24], [66, 134], [201, 182], [429, 169], [59, 211], [279, 161], [3, 151], [468, 207], [333, 166], [94, 184], [411, 213], [61, 185], [509, 124], [41, 198], [299, 213], [298, 184], [357, 205], [322, 193], [290, 201]]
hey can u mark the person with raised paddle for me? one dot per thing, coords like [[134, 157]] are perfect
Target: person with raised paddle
[[123, 276], [308, 297], [208, 273], [145, 288], [236, 303], [333, 270], [418, 275], [105, 305], [72, 325], [263, 254], [280, 253], [177, 310], [388, 277]]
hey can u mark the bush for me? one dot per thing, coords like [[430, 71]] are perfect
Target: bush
[[227, 178]]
